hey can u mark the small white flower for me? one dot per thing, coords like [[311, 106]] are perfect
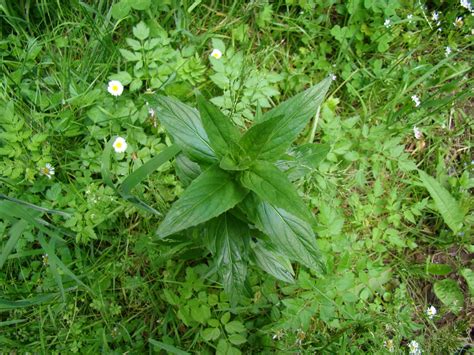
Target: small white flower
[[333, 77], [115, 88], [458, 22], [447, 51], [431, 312], [48, 170], [435, 16], [466, 4], [389, 345], [45, 259], [387, 23], [120, 145], [416, 100], [151, 112], [414, 348], [409, 18], [280, 333], [216, 53], [417, 133]]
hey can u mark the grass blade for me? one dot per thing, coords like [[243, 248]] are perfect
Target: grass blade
[[168, 348], [15, 232]]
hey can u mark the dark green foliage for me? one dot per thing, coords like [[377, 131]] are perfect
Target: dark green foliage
[[246, 167]]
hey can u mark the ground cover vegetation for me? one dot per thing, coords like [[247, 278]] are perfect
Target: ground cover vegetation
[[236, 176]]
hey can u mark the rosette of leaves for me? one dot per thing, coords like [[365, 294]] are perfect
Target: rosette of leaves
[[240, 199]]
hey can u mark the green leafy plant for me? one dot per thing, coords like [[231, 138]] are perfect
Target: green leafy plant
[[240, 203], [244, 86]]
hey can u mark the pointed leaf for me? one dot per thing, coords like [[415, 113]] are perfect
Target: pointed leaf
[[289, 234], [223, 135], [302, 160], [447, 206], [450, 294], [184, 124], [211, 194], [186, 169], [273, 263], [231, 242], [271, 185], [271, 138]]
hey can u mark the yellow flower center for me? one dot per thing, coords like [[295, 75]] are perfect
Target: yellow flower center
[[114, 87], [118, 144]]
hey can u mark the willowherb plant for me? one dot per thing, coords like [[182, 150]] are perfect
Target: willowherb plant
[[240, 198]]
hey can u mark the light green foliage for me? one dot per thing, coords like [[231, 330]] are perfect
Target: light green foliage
[[244, 86], [379, 223]]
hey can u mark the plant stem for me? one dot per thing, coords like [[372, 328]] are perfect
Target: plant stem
[[315, 124]]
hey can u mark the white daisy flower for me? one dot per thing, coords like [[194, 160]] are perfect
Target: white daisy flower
[[431, 312], [466, 4], [416, 100], [414, 348], [115, 88], [447, 51], [458, 22], [417, 132], [48, 170], [387, 23], [120, 145], [216, 53]]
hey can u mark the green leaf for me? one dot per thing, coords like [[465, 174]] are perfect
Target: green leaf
[[438, 269], [200, 313], [450, 294], [211, 194], [120, 10], [184, 125], [186, 169], [447, 206], [234, 327], [237, 339], [272, 262], [122, 76], [271, 185], [218, 44], [302, 160], [468, 274], [271, 138], [223, 135], [231, 248], [167, 347], [209, 334], [224, 348], [141, 31], [140, 4], [292, 236], [136, 84], [129, 55]]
